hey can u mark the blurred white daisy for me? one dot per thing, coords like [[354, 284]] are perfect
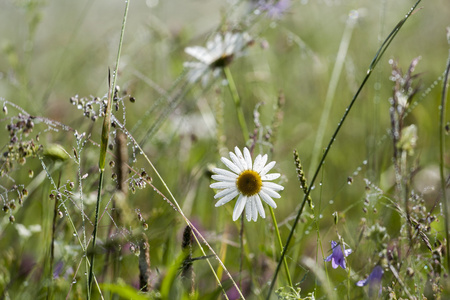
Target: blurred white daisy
[[247, 180], [219, 52]]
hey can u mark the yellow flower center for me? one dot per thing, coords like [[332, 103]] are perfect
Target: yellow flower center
[[249, 183]]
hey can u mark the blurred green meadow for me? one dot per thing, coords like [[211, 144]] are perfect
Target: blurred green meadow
[[298, 75]]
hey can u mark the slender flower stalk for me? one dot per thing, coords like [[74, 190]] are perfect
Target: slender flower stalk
[[442, 114], [277, 232], [103, 145], [237, 102]]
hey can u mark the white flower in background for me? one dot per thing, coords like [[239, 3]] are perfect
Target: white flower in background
[[219, 52], [26, 232], [248, 181]]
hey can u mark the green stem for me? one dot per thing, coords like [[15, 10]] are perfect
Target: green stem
[[277, 232], [103, 145], [241, 246], [441, 156], [94, 239], [372, 65], [237, 102]]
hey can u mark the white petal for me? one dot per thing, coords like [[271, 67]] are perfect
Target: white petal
[[249, 209], [273, 186], [270, 192], [196, 70], [230, 165], [267, 168], [199, 53], [222, 185], [195, 65], [254, 210], [260, 161], [259, 206], [266, 198], [239, 207], [225, 192], [205, 78], [271, 176], [257, 161], [227, 198], [248, 158], [225, 173], [237, 162], [241, 158], [223, 178]]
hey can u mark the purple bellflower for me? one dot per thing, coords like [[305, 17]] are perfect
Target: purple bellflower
[[374, 280], [275, 8], [337, 257]]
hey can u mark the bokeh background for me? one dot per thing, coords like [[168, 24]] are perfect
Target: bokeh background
[[54, 50]]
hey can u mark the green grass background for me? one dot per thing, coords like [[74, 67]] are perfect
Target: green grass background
[[52, 50]]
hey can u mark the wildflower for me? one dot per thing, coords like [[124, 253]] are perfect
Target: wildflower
[[337, 257], [248, 181], [374, 280], [275, 8], [219, 53]]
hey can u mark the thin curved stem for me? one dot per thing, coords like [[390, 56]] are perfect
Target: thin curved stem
[[372, 65]]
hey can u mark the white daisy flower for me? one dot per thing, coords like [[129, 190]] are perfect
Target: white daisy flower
[[219, 52], [247, 180]]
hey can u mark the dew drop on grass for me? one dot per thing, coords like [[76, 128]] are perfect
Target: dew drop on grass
[[74, 281]]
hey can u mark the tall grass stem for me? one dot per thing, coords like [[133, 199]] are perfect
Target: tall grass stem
[[280, 242], [237, 102], [442, 151], [103, 146], [372, 65]]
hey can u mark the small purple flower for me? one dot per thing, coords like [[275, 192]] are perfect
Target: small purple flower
[[57, 270], [275, 8], [337, 257], [374, 280]]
